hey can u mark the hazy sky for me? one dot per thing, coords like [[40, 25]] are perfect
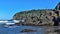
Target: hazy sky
[[9, 7]]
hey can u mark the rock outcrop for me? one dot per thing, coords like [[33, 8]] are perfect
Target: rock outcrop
[[39, 17]]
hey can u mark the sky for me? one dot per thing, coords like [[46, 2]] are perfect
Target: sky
[[9, 7]]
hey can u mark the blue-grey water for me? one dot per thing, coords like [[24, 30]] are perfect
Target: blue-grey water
[[17, 29]]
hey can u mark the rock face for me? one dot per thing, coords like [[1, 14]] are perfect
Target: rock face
[[40, 17]]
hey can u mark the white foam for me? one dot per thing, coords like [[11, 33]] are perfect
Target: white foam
[[9, 23]]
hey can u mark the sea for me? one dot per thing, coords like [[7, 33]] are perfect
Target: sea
[[17, 29]]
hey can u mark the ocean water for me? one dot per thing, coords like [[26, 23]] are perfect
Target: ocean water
[[17, 29]]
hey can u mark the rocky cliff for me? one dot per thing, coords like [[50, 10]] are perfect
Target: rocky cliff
[[40, 17], [35, 17]]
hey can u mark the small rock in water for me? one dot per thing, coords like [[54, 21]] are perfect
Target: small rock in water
[[28, 30], [58, 30]]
